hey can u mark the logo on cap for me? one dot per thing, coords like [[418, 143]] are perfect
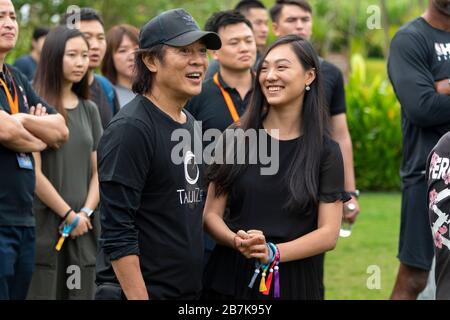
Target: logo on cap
[[188, 19]]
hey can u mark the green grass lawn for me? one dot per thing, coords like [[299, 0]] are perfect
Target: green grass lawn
[[374, 241]]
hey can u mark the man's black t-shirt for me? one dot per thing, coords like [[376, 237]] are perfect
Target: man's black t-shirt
[[210, 107], [16, 184], [333, 83], [438, 174], [150, 205], [420, 56]]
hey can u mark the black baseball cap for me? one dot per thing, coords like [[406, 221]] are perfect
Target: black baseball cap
[[175, 28]]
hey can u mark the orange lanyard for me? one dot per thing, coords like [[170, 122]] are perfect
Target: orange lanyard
[[13, 104], [228, 100]]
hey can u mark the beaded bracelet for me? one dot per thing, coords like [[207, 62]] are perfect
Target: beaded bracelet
[[273, 267]]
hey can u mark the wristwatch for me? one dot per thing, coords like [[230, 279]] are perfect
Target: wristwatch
[[354, 193], [88, 211]]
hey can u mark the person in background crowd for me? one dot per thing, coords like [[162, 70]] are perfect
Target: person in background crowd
[[27, 64], [118, 64], [66, 179], [235, 77], [225, 97], [28, 125], [419, 70], [256, 13], [102, 92]]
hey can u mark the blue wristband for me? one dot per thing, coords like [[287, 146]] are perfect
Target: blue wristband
[[68, 228], [273, 251]]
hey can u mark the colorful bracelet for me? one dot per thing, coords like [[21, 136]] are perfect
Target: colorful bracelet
[[273, 260], [276, 268], [68, 228], [273, 267]]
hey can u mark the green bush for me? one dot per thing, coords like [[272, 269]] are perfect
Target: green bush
[[374, 121]]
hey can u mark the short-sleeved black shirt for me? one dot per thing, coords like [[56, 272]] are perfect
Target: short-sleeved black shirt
[[333, 82], [210, 106], [438, 174], [151, 206], [258, 202], [16, 184]]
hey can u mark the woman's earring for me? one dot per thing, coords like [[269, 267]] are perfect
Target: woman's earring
[[308, 87]]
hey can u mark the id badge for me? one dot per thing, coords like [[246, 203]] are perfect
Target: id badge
[[24, 161]]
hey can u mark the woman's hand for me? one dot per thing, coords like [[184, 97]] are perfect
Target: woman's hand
[[239, 239], [258, 248], [83, 226], [252, 245]]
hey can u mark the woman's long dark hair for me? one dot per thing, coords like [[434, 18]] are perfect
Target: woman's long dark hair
[[303, 172], [49, 79]]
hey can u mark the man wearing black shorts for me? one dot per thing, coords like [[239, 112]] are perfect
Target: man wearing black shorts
[[419, 69]]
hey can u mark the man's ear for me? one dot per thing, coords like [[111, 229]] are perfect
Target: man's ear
[[275, 29], [150, 63]]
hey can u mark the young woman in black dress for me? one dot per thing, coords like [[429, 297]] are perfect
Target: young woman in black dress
[[277, 225]]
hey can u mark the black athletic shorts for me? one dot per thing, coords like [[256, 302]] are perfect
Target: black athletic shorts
[[416, 242]]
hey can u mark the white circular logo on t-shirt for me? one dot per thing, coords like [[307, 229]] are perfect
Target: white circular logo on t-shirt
[[191, 168]]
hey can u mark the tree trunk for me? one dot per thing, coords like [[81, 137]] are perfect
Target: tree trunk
[[386, 27]]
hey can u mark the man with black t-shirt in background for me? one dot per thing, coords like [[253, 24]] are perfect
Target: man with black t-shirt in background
[[295, 17], [152, 208], [419, 69], [234, 79], [224, 98], [255, 12]]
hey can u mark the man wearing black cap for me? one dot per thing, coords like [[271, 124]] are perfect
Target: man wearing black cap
[[151, 244]]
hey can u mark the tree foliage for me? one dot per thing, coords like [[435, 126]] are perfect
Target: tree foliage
[[339, 25]]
